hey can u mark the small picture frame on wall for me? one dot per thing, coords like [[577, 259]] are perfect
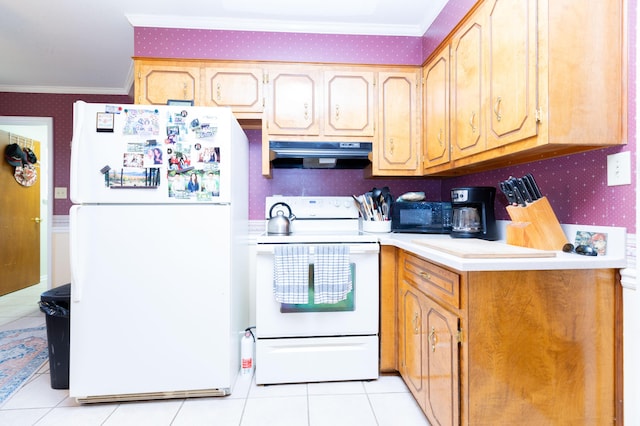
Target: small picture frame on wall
[[178, 102]]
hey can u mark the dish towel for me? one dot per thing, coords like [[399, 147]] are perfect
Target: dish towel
[[332, 274], [291, 274]]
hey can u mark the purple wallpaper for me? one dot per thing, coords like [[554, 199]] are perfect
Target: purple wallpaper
[[271, 46], [60, 107], [575, 185]]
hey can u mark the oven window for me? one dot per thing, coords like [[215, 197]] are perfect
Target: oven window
[[347, 304]]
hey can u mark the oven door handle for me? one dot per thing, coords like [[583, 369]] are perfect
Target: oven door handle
[[353, 248]]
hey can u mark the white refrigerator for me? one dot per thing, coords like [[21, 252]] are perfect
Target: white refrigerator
[[159, 251]]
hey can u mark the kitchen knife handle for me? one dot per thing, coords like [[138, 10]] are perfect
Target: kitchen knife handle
[[535, 186]]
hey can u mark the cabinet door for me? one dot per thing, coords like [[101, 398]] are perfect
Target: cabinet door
[[235, 87], [396, 150], [348, 109], [157, 83], [512, 71], [467, 107], [436, 110], [294, 103], [410, 341], [441, 349]]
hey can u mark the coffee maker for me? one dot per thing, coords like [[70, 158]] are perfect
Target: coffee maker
[[473, 213]]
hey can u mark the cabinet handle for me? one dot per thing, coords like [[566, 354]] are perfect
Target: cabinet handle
[[496, 108], [219, 92], [184, 91], [391, 146], [306, 111], [416, 329], [440, 137], [425, 275], [337, 112], [433, 338], [471, 121]]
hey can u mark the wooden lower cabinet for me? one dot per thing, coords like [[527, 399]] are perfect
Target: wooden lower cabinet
[[509, 347]]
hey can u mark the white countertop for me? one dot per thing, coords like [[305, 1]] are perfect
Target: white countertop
[[615, 257]]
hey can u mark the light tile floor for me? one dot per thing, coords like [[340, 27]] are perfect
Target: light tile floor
[[385, 401]]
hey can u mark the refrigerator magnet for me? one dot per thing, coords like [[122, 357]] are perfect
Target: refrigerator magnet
[[104, 122]]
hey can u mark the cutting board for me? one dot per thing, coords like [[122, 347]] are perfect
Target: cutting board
[[480, 249]]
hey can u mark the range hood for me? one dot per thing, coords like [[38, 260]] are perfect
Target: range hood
[[320, 155]]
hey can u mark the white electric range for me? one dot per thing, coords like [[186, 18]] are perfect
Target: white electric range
[[312, 340]]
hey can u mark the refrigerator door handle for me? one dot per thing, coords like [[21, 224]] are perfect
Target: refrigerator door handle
[[73, 266]]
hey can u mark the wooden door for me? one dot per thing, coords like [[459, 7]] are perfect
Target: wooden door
[[512, 71], [436, 110], [349, 103], [19, 224], [410, 341], [396, 150], [442, 383], [467, 109], [156, 83], [294, 103], [237, 87]]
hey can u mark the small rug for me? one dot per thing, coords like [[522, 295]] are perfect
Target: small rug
[[22, 353]]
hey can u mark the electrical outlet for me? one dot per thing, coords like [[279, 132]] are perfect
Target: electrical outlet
[[60, 193], [619, 169]]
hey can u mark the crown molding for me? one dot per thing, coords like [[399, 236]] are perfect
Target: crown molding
[[313, 27]]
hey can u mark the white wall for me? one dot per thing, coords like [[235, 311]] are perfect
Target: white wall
[[631, 298]]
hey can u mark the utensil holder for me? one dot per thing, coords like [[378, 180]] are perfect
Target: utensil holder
[[535, 226]]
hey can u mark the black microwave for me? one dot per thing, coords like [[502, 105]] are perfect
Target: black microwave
[[423, 217]]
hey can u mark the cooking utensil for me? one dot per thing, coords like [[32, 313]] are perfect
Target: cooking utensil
[[279, 224]]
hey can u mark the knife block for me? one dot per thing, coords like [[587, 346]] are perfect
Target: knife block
[[535, 226]]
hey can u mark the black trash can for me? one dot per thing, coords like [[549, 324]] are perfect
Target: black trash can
[[55, 303]]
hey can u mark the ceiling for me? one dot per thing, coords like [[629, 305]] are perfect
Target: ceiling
[[73, 46]]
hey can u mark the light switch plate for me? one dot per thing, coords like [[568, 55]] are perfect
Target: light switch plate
[[60, 193], [619, 169]]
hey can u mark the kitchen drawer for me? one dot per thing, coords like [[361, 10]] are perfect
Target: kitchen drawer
[[436, 282]]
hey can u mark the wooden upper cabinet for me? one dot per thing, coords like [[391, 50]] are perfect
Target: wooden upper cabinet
[[157, 82], [397, 145], [533, 80], [294, 102], [511, 70], [348, 108], [435, 97], [233, 86], [583, 73], [468, 134]]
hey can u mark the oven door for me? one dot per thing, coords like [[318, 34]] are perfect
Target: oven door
[[357, 315]]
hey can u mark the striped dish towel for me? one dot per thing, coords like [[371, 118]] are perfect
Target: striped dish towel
[[332, 274], [291, 274]]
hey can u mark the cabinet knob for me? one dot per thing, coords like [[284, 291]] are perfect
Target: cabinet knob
[[472, 121]]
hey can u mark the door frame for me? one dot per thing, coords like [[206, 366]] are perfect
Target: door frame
[[46, 198]]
